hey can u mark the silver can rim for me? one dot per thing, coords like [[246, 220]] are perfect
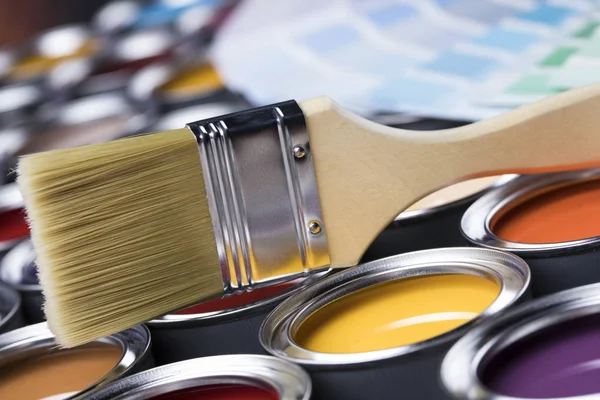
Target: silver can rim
[[16, 306], [279, 328], [134, 342], [425, 212], [186, 320], [475, 223], [21, 254], [462, 362], [290, 381]]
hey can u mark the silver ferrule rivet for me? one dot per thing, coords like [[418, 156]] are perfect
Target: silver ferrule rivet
[[314, 227], [299, 152]]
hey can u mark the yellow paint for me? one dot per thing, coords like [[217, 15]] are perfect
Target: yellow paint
[[38, 64], [202, 79], [396, 313]]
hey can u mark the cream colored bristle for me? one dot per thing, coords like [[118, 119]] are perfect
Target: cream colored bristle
[[122, 232]]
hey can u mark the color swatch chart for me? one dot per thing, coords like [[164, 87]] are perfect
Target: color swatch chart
[[458, 59]]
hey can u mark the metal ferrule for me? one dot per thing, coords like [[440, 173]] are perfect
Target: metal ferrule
[[460, 371], [262, 194]]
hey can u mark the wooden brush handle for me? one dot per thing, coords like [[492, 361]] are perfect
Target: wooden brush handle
[[368, 173]]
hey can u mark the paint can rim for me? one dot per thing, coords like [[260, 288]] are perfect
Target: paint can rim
[[476, 222], [288, 380], [134, 342], [278, 329], [459, 369]]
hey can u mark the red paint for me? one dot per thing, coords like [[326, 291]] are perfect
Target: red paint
[[13, 225], [220, 393], [131, 66], [237, 300]]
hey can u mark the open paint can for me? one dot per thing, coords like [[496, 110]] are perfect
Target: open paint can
[[18, 269], [11, 316], [13, 225], [544, 349], [32, 367], [92, 119], [240, 377], [50, 49], [223, 326], [549, 220], [433, 221], [380, 330]]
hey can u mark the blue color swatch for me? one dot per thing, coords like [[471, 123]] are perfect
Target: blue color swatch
[[395, 92], [547, 14], [331, 38], [391, 14], [463, 65], [507, 40]]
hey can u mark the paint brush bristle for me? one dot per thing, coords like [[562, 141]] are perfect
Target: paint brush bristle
[[107, 220]]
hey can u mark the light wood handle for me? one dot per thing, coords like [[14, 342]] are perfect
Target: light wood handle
[[368, 173]]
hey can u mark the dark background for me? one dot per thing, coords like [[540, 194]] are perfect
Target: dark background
[[22, 19]]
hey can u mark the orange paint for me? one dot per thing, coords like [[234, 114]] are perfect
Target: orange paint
[[561, 215]]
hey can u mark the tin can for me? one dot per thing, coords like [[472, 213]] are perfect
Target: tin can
[[37, 57], [226, 326], [231, 376], [546, 348], [10, 309], [557, 265], [23, 347], [433, 222], [13, 226], [408, 370], [18, 269], [91, 119]]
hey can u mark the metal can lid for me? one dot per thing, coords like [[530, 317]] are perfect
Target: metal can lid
[[279, 328], [19, 96], [476, 222], [62, 41], [461, 365], [116, 16], [144, 43], [289, 381]]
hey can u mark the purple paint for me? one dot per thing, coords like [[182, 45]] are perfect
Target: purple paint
[[560, 361]]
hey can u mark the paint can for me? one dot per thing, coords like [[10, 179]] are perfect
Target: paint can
[[49, 49], [380, 330], [223, 326], [11, 316], [18, 269], [18, 102], [248, 377], [33, 367], [546, 348], [13, 225], [90, 119], [164, 94], [433, 221], [548, 221]]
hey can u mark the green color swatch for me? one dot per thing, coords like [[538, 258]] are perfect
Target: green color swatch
[[558, 57], [532, 84], [588, 30]]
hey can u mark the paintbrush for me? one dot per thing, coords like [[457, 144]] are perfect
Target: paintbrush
[[132, 229]]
